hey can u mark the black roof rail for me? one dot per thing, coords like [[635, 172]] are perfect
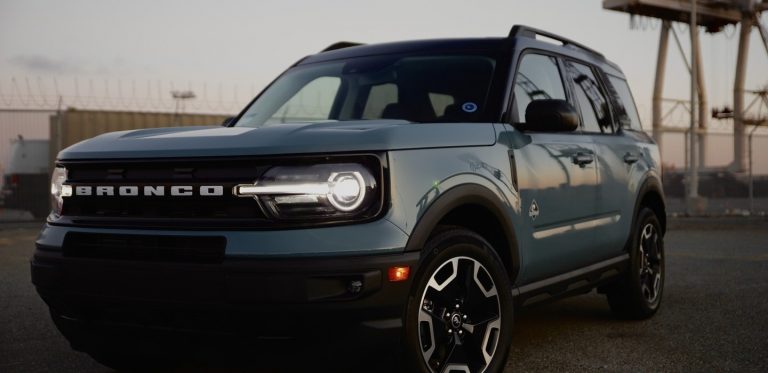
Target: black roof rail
[[530, 32], [340, 45]]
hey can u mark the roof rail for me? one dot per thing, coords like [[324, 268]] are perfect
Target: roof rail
[[340, 45], [530, 32]]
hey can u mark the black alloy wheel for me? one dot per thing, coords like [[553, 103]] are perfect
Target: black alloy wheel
[[460, 311], [638, 293]]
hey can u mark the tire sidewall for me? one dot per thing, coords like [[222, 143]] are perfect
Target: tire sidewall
[[447, 245], [645, 217]]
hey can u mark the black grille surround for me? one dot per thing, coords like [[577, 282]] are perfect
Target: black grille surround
[[222, 212]]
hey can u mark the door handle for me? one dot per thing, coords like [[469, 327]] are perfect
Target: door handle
[[583, 159], [630, 158]]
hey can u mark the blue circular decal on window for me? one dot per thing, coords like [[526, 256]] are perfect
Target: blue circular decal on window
[[469, 107]]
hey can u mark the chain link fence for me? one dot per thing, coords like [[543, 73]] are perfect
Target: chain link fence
[[39, 117], [726, 190]]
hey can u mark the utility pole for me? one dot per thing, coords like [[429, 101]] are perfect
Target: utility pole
[[693, 176]]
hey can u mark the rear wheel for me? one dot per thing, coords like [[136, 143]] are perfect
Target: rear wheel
[[638, 294], [459, 313]]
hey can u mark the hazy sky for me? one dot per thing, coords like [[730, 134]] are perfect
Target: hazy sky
[[248, 42]]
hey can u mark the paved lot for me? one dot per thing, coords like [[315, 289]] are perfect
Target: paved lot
[[713, 316]]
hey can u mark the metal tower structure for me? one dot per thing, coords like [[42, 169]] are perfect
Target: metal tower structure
[[713, 15]]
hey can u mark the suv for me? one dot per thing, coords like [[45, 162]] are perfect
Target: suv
[[426, 187]]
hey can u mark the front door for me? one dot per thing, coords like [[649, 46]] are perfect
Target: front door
[[556, 177]]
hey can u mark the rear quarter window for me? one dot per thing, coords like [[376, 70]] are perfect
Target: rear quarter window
[[624, 104]]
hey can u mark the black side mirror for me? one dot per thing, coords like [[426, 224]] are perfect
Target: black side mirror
[[227, 121], [551, 116]]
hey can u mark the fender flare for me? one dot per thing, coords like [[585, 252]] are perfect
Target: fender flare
[[467, 194], [652, 183]]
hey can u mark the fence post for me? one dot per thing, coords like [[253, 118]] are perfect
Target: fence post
[[751, 173]]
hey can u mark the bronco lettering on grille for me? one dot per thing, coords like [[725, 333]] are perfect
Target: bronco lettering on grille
[[150, 190]]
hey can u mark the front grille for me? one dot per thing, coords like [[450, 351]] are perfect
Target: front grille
[[224, 211], [164, 211], [184, 249]]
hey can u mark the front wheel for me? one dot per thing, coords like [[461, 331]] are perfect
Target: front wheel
[[638, 294], [459, 313]]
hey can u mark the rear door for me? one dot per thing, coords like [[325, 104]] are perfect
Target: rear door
[[556, 176], [617, 153]]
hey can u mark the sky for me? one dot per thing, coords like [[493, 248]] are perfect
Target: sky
[[245, 44]]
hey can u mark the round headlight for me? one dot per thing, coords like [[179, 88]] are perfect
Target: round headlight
[[347, 190], [319, 192]]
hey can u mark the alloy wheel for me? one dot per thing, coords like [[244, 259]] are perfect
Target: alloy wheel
[[650, 263], [459, 319]]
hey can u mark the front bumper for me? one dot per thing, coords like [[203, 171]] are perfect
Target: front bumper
[[263, 296]]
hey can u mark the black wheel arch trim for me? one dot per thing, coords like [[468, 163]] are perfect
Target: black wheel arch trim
[[651, 184], [462, 195]]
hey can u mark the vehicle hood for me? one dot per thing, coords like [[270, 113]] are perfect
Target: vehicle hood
[[324, 137]]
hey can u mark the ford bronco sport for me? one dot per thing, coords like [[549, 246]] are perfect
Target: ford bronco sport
[[429, 187]]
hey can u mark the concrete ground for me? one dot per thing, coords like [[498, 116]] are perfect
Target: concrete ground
[[713, 316]]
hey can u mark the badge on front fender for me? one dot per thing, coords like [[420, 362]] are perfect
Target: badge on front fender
[[533, 211]]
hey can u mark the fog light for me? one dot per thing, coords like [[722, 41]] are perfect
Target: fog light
[[355, 286], [399, 273]]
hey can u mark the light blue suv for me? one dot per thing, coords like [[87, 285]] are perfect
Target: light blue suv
[[429, 187]]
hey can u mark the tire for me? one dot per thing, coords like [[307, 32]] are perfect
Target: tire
[[459, 312], [638, 294]]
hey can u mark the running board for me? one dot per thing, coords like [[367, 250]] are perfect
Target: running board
[[575, 282]]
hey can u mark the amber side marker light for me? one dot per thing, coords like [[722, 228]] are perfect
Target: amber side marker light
[[399, 273]]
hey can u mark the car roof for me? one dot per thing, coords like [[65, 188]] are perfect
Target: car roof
[[523, 37], [426, 46]]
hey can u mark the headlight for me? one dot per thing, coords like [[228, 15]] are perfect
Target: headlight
[[59, 190], [324, 191]]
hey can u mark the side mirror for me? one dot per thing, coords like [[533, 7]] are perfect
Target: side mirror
[[551, 116], [227, 121]]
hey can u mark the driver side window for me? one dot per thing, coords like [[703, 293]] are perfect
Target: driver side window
[[538, 78]]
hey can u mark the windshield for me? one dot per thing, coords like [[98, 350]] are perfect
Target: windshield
[[451, 88]]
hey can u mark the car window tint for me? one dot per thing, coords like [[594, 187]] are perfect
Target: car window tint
[[538, 78], [625, 108], [378, 98], [440, 102], [313, 102], [595, 114], [416, 88]]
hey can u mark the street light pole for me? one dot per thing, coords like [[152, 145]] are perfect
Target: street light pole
[[180, 96]]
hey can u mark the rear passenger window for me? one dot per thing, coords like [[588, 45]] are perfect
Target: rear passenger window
[[538, 78], [595, 114], [626, 111]]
